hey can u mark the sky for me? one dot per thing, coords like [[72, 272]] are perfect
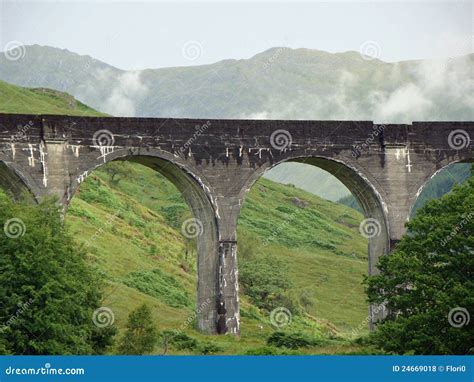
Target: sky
[[138, 35]]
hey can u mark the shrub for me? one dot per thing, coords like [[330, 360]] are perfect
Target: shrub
[[269, 350], [209, 348], [427, 282], [141, 335], [182, 341], [48, 292], [292, 340], [160, 285], [265, 281]]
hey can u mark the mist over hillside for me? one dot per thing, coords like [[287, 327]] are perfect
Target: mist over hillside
[[280, 83]]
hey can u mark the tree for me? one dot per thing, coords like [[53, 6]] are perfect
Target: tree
[[48, 292], [3, 345], [141, 335], [117, 171], [427, 282], [103, 338]]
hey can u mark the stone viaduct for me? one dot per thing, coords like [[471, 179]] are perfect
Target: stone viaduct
[[215, 162]]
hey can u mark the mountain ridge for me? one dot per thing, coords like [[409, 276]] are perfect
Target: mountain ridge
[[279, 83], [261, 54], [264, 53]]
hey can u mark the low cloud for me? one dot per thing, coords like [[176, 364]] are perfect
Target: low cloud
[[440, 89], [406, 103], [124, 96], [257, 115]]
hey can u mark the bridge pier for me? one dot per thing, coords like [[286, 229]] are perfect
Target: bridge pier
[[228, 289], [215, 163], [54, 163]]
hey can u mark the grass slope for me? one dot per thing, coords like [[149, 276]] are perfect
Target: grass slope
[[132, 233], [15, 99], [131, 230]]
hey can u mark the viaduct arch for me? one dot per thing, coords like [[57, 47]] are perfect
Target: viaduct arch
[[215, 162]]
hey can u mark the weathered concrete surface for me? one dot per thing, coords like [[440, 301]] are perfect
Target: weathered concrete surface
[[215, 162]]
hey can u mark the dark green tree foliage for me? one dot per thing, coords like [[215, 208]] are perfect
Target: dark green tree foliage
[[427, 282], [103, 339], [182, 341], [3, 344], [48, 293], [141, 335], [117, 171], [178, 340]]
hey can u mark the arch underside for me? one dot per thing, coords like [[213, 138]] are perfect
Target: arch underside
[[373, 208], [431, 176], [207, 242], [14, 185], [368, 199], [194, 194]]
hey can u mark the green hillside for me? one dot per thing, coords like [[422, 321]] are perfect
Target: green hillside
[[306, 246], [143, 256], [309, 178], [15, 99]]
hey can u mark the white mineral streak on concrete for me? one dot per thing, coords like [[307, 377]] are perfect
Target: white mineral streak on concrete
[[31, 158], [104, 151], [75, 150], [408, 165], [43, 164], [82, 177]]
